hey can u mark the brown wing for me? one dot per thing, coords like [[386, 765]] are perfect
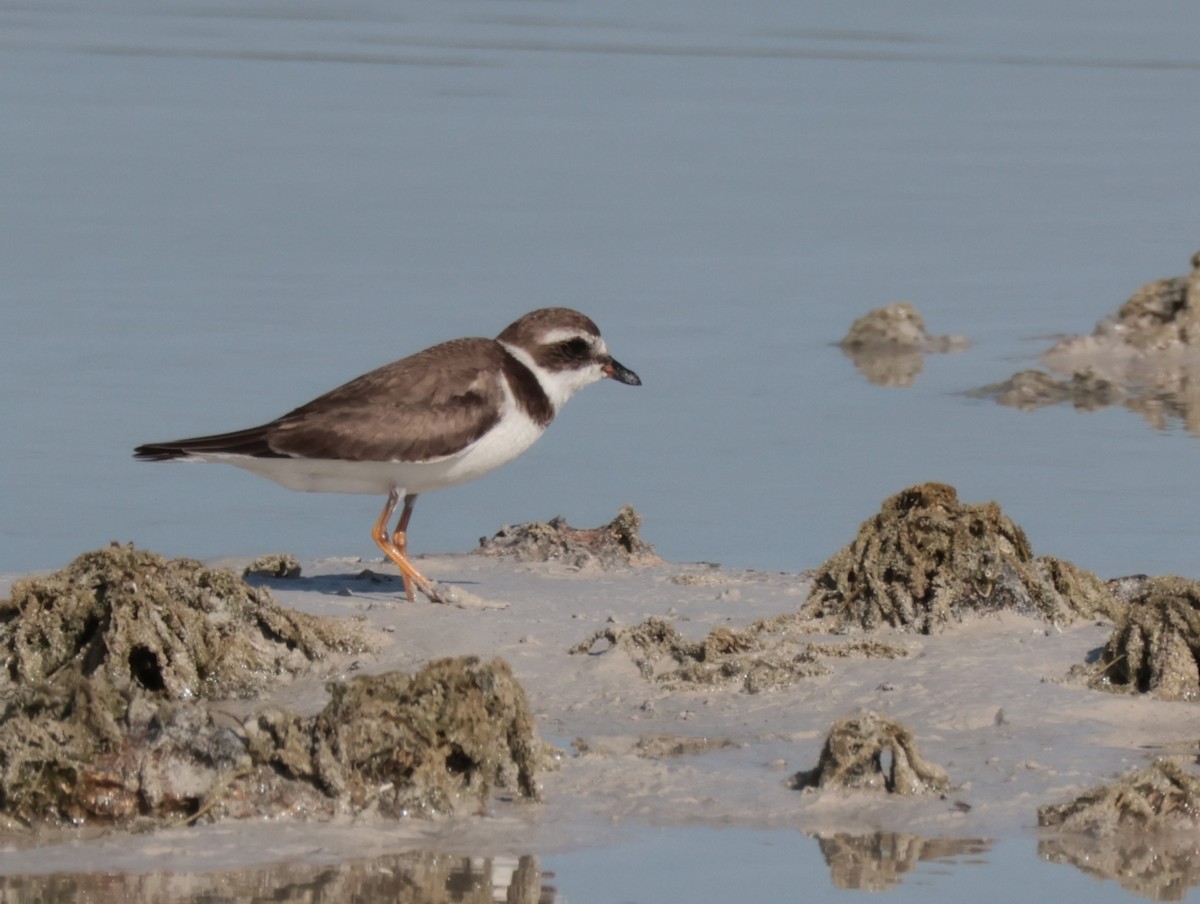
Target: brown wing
[[425, 406]]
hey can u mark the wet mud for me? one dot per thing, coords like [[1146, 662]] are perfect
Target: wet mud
[[927, 560]]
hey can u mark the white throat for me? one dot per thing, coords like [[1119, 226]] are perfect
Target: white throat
[[559, 385]]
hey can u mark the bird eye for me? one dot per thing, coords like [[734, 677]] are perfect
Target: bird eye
[[577, 348]]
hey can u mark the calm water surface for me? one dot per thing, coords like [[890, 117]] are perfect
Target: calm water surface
[[212, 212]]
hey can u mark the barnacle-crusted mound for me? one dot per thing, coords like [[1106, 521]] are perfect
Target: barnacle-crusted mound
[[1163, 796], [176, 627], [106, 712], [853, 757], [1155, 645], [927, 559], [611, 545]]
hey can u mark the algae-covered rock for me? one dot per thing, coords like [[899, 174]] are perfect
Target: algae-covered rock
[[853, 757], [1164, 796], [611, 545], [927, 559], [1155, 644], [174, 627]]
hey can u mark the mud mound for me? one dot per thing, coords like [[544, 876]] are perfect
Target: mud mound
[[612, 545], [888, 345], [177, 628], [1164, 796], [411, 745], [927, 559], [1155, 645], [854, 753], [436, 742], [111, 667]]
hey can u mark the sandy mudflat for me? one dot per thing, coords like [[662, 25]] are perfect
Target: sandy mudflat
[[986, 700]]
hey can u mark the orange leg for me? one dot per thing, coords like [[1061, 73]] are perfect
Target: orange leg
[[396, 546]]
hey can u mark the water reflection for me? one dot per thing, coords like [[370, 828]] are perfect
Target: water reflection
[[879, 860], [419, 878], [1145, 357], [1158, 867]]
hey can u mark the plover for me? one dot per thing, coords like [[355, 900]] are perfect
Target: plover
[[436, 419]]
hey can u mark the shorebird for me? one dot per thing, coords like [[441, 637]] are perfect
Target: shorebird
[[439, 418]]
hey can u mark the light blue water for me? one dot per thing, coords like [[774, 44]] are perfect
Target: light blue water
[[212, 212]]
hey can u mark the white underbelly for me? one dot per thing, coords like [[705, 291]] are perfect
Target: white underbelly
[[512, 436]]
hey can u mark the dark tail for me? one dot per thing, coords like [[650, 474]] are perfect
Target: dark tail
[[252, 443]]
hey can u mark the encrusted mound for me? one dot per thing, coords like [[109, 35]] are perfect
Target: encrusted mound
[[853, 757], [1155, 645], [106, 715], [435, 742], [927, 559], [1164, 796], [175, 627], [615, 544], [405, 745]]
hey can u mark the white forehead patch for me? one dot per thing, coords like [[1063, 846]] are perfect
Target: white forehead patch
[[552, 337]]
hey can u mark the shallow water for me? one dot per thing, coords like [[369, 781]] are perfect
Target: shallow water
[[213, 212]]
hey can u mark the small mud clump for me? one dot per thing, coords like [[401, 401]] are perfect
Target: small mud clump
[[1163, 796], [613, 545], [280, 566], [1155, 645], [927, 560], [175, 627], [854, 754], [888, 345], [726, 656], [110, 709]]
